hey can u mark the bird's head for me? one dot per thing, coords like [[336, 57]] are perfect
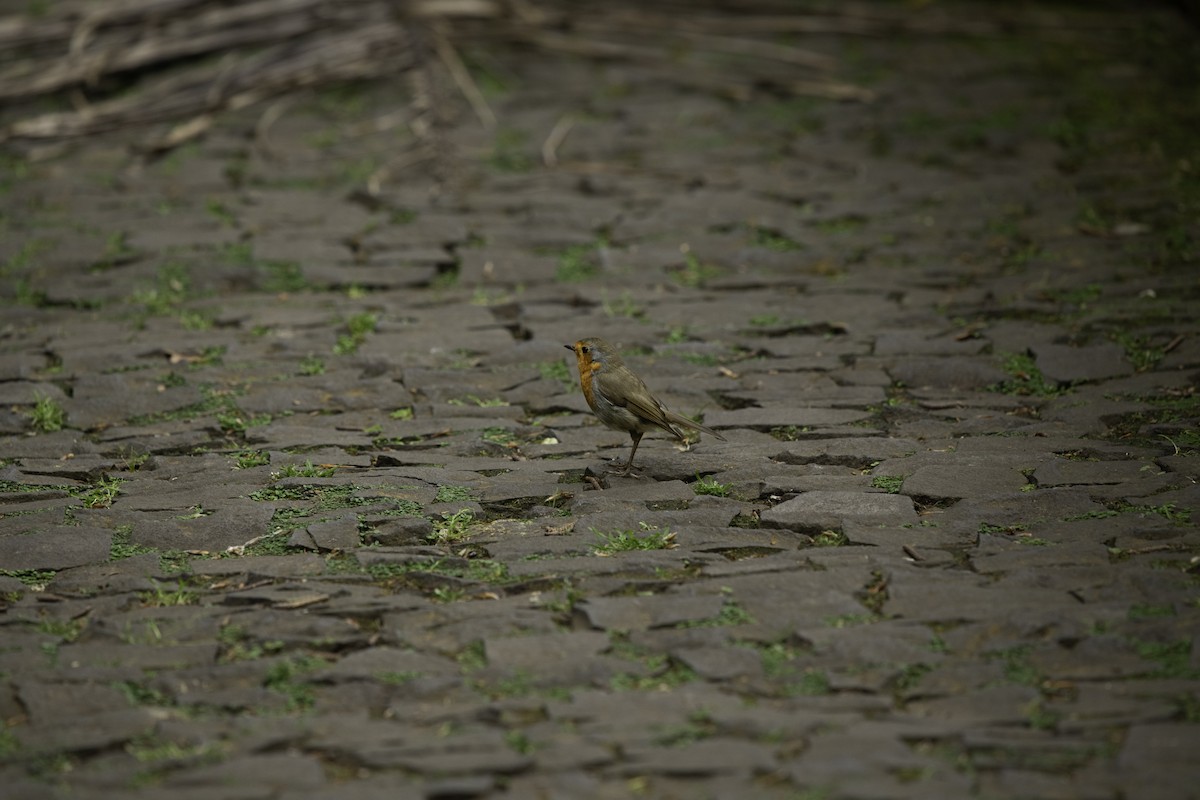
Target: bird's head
[[593, 353]]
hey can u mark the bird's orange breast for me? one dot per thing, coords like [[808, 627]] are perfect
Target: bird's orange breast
[[586, 372]]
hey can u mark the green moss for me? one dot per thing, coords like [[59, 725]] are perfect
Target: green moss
[[695, 273], [357, 327], [453, 494], [1025, 378], [452, 527], [579, 262], [312, 365], [889, 483], [286, 678], [710, 486], [510, 152], [305, 470], [849, 223], [122, 546], [830, 539], [248, 459], [557, 370], [161, 595], [774, 240], [1143, 611], [1017, 668], [649, 538], [1174, 659], [47, 415], [672, 674], [731, 614]]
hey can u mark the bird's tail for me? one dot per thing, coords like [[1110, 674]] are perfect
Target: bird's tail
[[678, 419]]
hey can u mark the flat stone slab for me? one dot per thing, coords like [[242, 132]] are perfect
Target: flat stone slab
[[817, 511], [720, 663], [280, 772], [637, 613], [945, 372], [855, 452], [783, 416], [18, 366], [954, 481], [608, 522], [288, 434], [1067, 364], [967, 597], [997, 705], [232, 524], [887, 643], [43, 702], [781, 602], [560, 658], [649, 491], [702, 758], [1170, 742], [102, 400], [94, 732], [272, 566], [278, 596], [1157, 761], [335, 534], [386, 663], [530, 653], [55, 547], [88, 656], [1081, 473], [1018, 556], [1018, 508], [1097, 658], [397, 530], [59, 444]]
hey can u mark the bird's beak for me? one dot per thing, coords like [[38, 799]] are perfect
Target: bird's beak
[[570, 347]]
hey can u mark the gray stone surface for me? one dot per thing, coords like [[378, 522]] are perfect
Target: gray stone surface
[[956, 481], [1074, 473], [945, 372], [329, 516], [856, 452], [1095, 362], [782, 416], [633, 613], [820, 510], [54, 547]]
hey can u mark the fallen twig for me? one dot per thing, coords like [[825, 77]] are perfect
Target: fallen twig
[[556, 137]]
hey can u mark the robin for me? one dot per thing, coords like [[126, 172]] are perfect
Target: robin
[[620, 399]]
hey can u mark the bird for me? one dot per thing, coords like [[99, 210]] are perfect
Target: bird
[[620, 399]]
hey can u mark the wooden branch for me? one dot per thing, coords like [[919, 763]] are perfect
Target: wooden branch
[[462, 76], [370, 51], [557, 136], [268, 47]]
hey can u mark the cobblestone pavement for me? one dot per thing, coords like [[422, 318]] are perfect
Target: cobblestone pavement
[[300, 498]]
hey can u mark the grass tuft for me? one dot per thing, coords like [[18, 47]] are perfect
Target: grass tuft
[[47, 416], [650, 538]]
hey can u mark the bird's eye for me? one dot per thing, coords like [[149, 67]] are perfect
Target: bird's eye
[[586, 349]]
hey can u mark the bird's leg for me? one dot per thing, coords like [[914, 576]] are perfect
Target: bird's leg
[[628, 468]]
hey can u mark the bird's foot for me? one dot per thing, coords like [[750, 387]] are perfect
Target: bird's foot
[[624, 472]]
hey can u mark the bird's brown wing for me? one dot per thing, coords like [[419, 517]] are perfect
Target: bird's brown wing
[[647, 408], [679, 419], [624, 389]]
